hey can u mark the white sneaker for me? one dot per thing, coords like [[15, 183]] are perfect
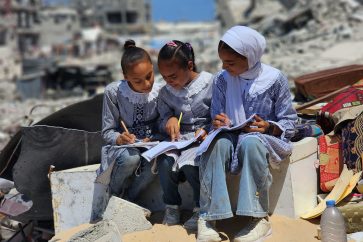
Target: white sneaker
[[206, 232], [256, 231], [172, 215]]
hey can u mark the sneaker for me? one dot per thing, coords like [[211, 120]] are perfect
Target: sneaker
[[206, 232], [258, 230], [192, 223], [172, 215]]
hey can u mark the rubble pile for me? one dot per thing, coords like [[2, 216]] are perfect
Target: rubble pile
[[302, 36], [16, 113], [300, 39]]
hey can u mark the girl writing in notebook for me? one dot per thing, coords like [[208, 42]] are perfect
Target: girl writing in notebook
[[185, 99], [243, 88], [129, 114]]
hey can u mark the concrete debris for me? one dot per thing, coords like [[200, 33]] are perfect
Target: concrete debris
[[6, 185], [75, 199], [16, 113], [296, 37], [103, 231], [297, 32], [128, 216]]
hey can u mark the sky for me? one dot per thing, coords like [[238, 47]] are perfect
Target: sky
[[175, 10], [178, 10]]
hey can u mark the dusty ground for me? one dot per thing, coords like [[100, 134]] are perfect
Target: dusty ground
[[284, 230]]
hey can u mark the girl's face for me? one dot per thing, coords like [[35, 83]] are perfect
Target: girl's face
[[174, 75], [234, 63], [140, 76]]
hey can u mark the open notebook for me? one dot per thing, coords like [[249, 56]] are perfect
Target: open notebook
[[141, 144], [203, 147], [165, 146]]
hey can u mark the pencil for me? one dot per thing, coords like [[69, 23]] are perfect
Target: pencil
[[180, 118], [124, 126]]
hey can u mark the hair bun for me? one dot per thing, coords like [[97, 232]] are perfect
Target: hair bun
[[129, 43]]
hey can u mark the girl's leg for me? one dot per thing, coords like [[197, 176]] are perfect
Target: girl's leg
[[214, 198], [169, 181], [191, 174], [141, 180], [253, 190], [255, 178], [124, 167]]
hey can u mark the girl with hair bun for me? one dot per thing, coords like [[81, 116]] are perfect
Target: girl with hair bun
[[129, 114]]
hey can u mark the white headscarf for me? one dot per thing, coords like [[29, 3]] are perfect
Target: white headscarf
[[251, 44]]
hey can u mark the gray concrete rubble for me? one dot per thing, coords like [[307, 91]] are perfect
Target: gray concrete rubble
[[6, 185], [120, 217], [128, 216], [303, 36], [16, 113], [312, 29], [103, 231]]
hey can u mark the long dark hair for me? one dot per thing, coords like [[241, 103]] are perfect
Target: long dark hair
[[132, 54], [180, 51]]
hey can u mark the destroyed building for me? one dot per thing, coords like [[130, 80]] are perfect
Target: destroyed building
[[23, 16], [119, 16], [58, 25]]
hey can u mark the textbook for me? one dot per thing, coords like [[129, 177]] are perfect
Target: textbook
[[140, 144], [203, 147], [165, 146]]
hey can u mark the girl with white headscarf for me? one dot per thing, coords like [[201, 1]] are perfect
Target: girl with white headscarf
[[245, 87]]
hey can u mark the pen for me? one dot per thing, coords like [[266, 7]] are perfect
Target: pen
[[124, 126], [180, 118]]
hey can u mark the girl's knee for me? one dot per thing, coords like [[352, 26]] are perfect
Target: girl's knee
[[251, 144], [189, 169], [131, 161], [223, 142], [165, 164]]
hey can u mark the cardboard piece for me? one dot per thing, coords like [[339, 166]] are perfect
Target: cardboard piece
[[342, 188]]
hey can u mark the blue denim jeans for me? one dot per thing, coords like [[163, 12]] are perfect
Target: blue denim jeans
[[254, 183], [131, 174], [170, 180]]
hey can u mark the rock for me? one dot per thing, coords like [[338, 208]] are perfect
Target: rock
[[103, 231], [128, 216]]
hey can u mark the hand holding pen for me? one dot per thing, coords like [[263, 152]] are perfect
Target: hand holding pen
[[172, 127], [257, 125], [125, 137], [221, 120], [262, 126]]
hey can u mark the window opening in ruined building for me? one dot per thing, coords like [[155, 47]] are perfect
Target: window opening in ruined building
[[114, 17], [131, 17], [2, 37]]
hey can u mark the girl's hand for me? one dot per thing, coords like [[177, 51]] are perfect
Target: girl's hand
[[172, 128], [203, 135], [125, 138], [221, 120], [146, 140], [259, 125]]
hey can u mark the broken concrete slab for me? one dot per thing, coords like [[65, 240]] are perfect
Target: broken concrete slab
[[128, 216], [76, 199], [103, 231]]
